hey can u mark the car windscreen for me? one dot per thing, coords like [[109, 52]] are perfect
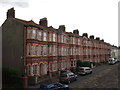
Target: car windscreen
[[81, 68], [87, 69], [58, 84], [63, 75]]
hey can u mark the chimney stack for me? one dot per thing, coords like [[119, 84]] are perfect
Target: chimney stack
[[92, 37], [76, 32], [11, 13], [43, 22], [62, 28], [102, 40], [85, 34], [97, 38]]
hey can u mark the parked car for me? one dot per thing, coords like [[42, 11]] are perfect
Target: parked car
[[67, 77], [118, 60], [53, 86], [84, 70], [112, 61], [64, 71]]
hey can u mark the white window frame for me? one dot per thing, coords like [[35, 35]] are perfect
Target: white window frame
[[34, 50], [34, 34], [40, 34], [28, 50], [54, 37], [45, 50], [28, 33], [45, 36]]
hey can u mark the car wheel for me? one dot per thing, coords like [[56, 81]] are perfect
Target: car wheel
[[91, 72], [68, 81], [75, 79]]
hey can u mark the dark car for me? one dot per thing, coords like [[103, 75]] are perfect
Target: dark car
[[67, 77], [54, 86]]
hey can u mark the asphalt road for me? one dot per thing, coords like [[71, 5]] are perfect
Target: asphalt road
[[103, 76]]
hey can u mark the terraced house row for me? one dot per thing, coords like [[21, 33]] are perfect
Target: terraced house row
[[37, 49]]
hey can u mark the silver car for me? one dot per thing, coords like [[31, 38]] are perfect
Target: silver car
[[84, 70], [67, 77]]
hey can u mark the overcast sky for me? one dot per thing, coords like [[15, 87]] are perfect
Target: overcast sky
[[95, 17]]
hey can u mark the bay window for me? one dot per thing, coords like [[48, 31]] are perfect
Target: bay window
[[45, 50], [34, 50], [28, 33], [54, 51], [58, 37], [28, 50], [50, 66], [34, 69], [34, 34], [29, 70], [54, 37], [40, 35], [50, 36], [55, 66], [40, 50], [45, 36], [50, 50]]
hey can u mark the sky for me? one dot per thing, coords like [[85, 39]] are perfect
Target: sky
[[95, 17]]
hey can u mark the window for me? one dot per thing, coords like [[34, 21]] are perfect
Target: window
[[28, 50], [62, 38], [59, 50], [54, 51], [40, 35], [71, 63], [34, 69], [45, 36], [50, 36], [40, 50], [62, 64], [69, 51], [50, 50], [34, 34], [45, 50], [50, 66], [70, 40], [54, 37], [28, 33], [62, 51], [34, 50], [73, 40], [55, 66], [78, 41], [45, 68], [28, 70], [59, 38], [74, 63]]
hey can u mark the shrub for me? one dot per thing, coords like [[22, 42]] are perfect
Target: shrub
[[10, 75]]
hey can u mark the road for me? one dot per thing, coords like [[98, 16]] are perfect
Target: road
[[103, 76]]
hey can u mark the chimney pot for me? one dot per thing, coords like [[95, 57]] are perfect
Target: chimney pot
[[61, 28], [92, 37], [85, 34], [76, 32], [97, 38]]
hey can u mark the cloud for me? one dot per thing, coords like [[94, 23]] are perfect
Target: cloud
[[18, 3]]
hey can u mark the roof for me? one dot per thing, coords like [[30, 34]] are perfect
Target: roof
[[32, 23]]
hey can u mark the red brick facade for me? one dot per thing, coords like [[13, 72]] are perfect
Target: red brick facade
[[56, 50]]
